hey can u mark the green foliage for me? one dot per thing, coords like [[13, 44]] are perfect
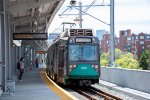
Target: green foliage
[[118, 53], [124, 60], [105, 56], [144, 60], [104, 60], [127, 61]]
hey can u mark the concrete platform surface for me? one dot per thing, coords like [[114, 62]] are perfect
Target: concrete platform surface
[[32, 87], [131, 92]]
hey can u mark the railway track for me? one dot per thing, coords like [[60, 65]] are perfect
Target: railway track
[[94, 94]]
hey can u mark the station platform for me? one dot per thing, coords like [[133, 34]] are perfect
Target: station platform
[[33, 87], [131, 92]]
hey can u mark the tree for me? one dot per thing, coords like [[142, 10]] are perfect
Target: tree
[[127, 61], [118, 53], [124, 60], [104, 60], [144, 60]]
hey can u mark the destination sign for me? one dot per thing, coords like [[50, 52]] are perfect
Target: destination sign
[[86, 40], [30, 36]]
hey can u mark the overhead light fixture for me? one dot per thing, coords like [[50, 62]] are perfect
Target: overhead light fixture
[[73, 2], [35, 22], [40, 10]]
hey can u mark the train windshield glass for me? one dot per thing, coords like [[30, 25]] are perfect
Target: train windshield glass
[[83, 53]]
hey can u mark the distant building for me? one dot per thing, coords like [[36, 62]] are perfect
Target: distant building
[[100, 33], [124, 40], [105, 43], [53, 36], [134, 43], [139, 43]]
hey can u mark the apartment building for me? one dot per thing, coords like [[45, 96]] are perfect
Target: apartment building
[[134, 43], [105, 43]]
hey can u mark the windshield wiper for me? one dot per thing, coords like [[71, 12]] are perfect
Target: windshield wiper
[[76, 51]]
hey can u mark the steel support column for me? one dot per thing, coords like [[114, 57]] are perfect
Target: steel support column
[[9, 46], [13, 60], [1, 32], [24, 53], [112, 46], [27, 57], [30, 53], [80, 13], [3, 45], [17, 50], [34, 57], [6, 27]]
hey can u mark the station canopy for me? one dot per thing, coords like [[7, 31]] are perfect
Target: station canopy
[[32, 16]]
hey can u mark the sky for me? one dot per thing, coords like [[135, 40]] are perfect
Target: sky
[[129, 14]]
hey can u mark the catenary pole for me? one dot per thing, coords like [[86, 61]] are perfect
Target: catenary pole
[[80, 13], [112, 47]]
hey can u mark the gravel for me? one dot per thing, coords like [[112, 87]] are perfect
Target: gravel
[[115, 93]]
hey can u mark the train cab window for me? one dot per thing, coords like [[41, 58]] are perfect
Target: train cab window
[[83, 53]]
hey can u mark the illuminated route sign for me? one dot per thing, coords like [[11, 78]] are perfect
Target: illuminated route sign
[[30, 36], [85, 40]]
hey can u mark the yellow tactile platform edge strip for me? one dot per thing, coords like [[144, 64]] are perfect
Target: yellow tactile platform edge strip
[[58, 90]]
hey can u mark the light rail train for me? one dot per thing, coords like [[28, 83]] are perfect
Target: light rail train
[[74, 58]]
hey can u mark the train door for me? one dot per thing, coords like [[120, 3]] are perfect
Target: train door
[[60, 64]]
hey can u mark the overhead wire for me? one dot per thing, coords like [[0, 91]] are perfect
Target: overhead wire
[[70, 12], [86, 9], [92, 3], [94, 17], [49, 42], [65, 18]]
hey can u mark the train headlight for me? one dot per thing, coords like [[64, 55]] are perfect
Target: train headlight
[[96, 66], [74, 66], [70, 66], [93, 40], [92, 66], [71, 40]]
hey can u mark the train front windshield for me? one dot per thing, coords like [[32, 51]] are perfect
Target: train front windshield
[[83, 52]]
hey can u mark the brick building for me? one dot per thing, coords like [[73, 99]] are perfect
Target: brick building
[[134, 43], [124, 40], [105, 43], [139, 43]]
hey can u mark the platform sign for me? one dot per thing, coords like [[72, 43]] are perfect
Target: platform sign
[[40, 52], [30, 36]]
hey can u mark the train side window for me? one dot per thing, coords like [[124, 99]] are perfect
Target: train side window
[[52, 59], [61, 59]]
